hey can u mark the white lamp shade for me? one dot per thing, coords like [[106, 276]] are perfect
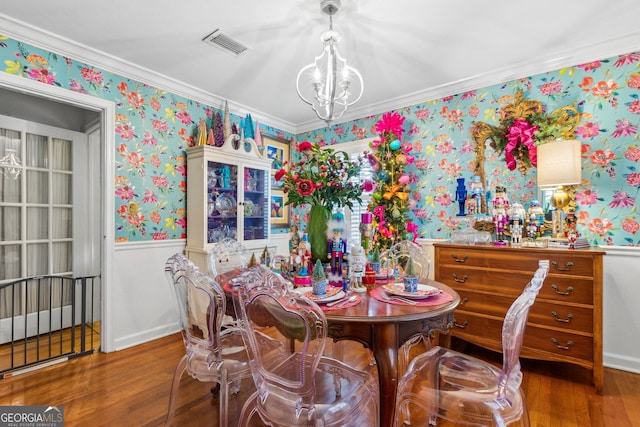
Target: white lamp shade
[[559, 163]]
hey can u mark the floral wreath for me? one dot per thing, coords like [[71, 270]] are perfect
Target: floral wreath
[[524, 125]]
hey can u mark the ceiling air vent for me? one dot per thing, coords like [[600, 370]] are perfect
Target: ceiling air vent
[[226, 43]]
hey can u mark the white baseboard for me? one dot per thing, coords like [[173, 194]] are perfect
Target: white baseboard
[[145, 336], [623, 363]]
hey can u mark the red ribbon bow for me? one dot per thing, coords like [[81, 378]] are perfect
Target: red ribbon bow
[[521, 132]]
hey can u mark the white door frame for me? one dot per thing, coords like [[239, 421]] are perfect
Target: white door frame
[[107, 110]]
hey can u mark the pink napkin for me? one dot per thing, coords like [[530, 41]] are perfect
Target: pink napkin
[[441, 298]]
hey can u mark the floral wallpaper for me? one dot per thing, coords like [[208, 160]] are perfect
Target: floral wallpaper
[[152, 127], [607, 96]]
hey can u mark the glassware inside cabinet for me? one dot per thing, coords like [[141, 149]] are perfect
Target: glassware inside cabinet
[[256, 220], [222, 192]]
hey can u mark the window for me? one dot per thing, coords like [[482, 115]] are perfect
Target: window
[[37, 204], [352, 216]]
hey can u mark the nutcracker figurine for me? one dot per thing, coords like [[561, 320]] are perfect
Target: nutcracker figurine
[[500, 214], [535, 219], [357, 267], [336, 245], [300, 258], [461, 196], [516, 223], [476, 193]]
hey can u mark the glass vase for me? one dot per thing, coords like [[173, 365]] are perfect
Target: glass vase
[[317, 232]]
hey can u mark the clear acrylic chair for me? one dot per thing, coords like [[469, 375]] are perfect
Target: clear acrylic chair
[[301, 386], [226, 259], [395, 259], [445, 384], [211, 354], [227, 256]]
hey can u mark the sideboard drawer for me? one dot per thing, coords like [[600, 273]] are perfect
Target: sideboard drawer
[[478, 329], [474, 256], [512, 283], [572, 263], [565, 289], [506, 282], [566, 317], [544, 313], [478, 302], [559, 343]]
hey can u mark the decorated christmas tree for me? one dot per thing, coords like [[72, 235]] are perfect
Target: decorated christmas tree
[[410, 269], [319, 279], [389, 202], [210, 139], [218, 130], [202, 133], [249, 130], [318, 271], [252, 261]]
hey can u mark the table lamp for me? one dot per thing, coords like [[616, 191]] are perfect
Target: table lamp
[[559, 164]]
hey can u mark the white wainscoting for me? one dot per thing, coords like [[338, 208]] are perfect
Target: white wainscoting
[[143, 306], [621, 311]]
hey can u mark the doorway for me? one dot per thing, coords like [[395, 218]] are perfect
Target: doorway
[[50, 105]]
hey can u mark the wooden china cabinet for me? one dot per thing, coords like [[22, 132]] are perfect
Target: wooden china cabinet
[[228, 192], [565, 323]]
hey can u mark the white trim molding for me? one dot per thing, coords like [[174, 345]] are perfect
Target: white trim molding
[[621, 317], [54, 43]]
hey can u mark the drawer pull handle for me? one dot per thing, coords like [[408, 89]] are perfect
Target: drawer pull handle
[[562, 347], [567, 320], [460, 325], [567, 268], [464, 301], [568, 292], [464, 278], [456, 259]]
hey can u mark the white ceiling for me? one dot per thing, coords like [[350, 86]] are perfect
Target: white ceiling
[[407, 51]]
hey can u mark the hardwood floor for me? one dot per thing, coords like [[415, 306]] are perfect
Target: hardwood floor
[[38, 348], [131, 388]]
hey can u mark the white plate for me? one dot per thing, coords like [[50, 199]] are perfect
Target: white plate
[[424, 291], [335, 294], [226, 204]]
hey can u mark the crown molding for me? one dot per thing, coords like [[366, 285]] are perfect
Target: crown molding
[[55, 43], [602, 50]]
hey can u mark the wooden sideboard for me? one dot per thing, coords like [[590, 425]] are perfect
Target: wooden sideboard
[[565, 323]]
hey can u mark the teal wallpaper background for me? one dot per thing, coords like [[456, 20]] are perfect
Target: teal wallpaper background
[[153, 128], [606, 94]]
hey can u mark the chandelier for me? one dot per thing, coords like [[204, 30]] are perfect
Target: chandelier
[[10, 164], [328, 84]]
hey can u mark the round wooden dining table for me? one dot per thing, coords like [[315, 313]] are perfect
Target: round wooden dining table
[[384, 327]]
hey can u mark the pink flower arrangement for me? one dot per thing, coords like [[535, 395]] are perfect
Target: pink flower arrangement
[[322, 176]]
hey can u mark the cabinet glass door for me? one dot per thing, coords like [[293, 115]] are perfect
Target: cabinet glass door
[[222, 192], [256, 208]]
